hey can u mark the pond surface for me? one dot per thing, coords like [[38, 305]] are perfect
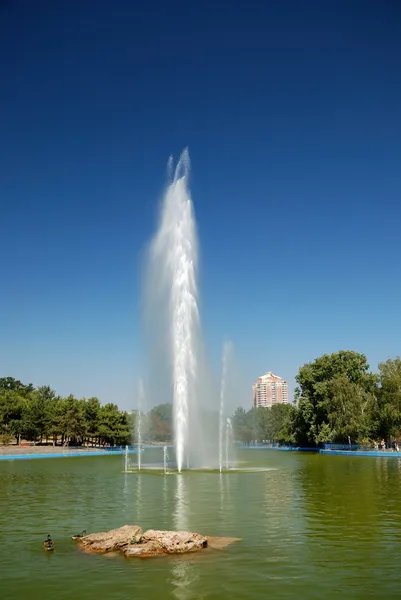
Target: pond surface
[[312, 527]]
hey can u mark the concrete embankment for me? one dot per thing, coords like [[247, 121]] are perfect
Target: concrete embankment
[[32, 452]]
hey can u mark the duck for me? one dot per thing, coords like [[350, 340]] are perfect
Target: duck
[[48, 544], [79, 535]]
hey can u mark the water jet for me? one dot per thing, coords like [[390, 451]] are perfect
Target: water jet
[[172, 304]]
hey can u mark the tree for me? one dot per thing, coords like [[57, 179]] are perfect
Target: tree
[[302, 422], [389, 398], [38, 417], [133, 424], [282, 423], [11, 412], [274, 424], [37, 414], [244, 425], [161, 422], [350, 410], [317, 396], [113, 425], [71, 420], [9, 383], [92, 416], [264, 424]]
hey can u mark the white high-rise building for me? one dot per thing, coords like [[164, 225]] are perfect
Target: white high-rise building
[[268, 390]]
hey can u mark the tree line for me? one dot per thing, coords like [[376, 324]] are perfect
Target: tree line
[[338, 399], [39, 415]]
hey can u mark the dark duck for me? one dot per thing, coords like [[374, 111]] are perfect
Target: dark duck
[[48, 544], [79, 535]]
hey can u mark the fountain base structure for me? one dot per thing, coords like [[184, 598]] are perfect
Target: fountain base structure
[[132, 541]]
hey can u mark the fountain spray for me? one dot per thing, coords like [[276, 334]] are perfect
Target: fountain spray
[[174, 252], [227, 348], [141, 395]]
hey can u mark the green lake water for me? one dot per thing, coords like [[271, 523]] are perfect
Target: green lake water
[[312, 527]]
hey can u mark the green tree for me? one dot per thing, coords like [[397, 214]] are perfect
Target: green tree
[[11, 412], [92, 410], [316, 394], [350, 410], [282, 423], [389, 398], [38, 414], [9, 383], [57, 424], [132, 425], [274, 423], [302, 422], [113, 425], [160, 422], [71, 420], [245, 425]]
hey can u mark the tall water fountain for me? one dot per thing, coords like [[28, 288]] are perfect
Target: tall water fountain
[[174, 257], [171, 305]]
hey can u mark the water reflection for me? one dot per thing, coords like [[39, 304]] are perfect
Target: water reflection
[[138, 480], [126, 504], [185, 578], [283, 521], [318, 527], [165, 498], [382, 470], [351, 509], [221, 487], [181, 504], [227, 495]]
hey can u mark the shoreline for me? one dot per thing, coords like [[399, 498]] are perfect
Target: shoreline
[[32, 452], [371, 453], [366, 453], [37, 452]]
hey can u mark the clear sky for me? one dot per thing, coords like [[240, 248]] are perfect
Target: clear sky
[[292, 114]]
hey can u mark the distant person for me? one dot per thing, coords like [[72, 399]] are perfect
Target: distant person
[[396, 447], [383, 445]]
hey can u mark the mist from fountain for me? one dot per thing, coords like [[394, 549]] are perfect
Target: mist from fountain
[[165, 459], [229, 441], [174, 259], [174, 331], [227, 350], [141, 398]]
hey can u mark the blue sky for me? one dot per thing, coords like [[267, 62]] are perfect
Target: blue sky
[[291, 112]]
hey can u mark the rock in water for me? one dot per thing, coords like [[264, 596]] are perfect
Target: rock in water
[[110, 541], [155, 543], [133, 542]]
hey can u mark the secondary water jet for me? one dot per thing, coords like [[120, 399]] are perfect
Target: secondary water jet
[[165, 459], [126, 460], [227, 349], [141, 395], [229, 435]]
